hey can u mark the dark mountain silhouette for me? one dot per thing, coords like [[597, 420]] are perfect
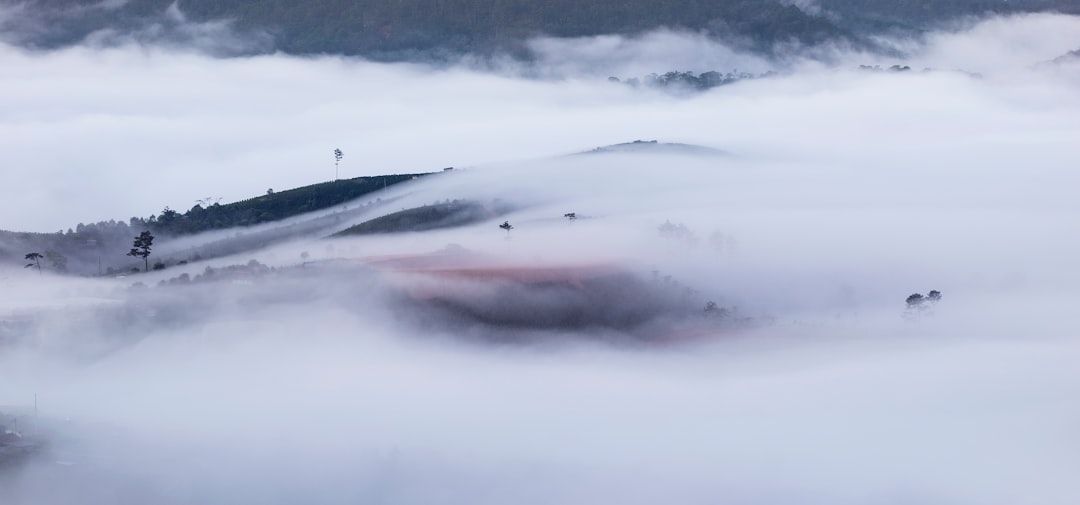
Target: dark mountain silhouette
[[413, 29]]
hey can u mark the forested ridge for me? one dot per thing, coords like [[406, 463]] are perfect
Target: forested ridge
[[269, 207], [409, 28], [88, 248]]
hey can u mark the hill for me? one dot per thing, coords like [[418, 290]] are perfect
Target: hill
[[409, 29], [100, 248], [429, 217], [1069, 57], [654, 147], [269, 207]]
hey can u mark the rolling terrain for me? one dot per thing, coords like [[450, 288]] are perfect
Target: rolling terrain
[[848, 280], [438, 29]]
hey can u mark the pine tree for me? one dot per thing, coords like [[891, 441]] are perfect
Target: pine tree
[[141, 248]]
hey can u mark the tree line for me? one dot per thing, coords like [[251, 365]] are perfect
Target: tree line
[[687, 80], [403, 28], [408, 28]]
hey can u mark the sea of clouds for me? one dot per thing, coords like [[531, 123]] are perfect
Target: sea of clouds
[[838, 192]]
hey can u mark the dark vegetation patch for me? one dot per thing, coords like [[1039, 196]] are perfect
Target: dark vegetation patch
[[430, 217], [442, 29], [99, 248]]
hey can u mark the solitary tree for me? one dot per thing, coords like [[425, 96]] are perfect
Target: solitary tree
[[141, 248], [915, 301], [36, 258], [337, 159], [506, 226], [918, 305]]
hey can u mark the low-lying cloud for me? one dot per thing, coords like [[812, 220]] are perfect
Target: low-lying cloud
[[833, 194], [151, 127]]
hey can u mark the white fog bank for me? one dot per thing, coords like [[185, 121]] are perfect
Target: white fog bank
[[826, 197]]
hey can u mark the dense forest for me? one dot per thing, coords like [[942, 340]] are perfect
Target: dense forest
[[415, 28], [876, 15]]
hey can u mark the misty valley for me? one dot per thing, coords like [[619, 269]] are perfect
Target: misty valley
[[753, 252]]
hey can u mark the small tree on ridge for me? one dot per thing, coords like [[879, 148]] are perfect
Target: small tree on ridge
[[141, 248], [337, 159], [36, 258]]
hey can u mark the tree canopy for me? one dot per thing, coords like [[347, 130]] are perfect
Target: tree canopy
[[140, 248]]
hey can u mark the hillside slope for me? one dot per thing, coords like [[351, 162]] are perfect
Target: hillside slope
[[101, 247], [426, 28], [400, 29]]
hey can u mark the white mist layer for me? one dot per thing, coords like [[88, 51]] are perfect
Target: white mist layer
[[313, 403], [128, 130], [841, 192]]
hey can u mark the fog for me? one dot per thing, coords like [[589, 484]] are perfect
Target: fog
[[150, 126], [829, 194]]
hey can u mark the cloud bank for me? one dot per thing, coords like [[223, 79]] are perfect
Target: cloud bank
[[839, 192], [148, 127]]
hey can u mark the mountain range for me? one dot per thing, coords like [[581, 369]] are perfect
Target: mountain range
[[416, 29]]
